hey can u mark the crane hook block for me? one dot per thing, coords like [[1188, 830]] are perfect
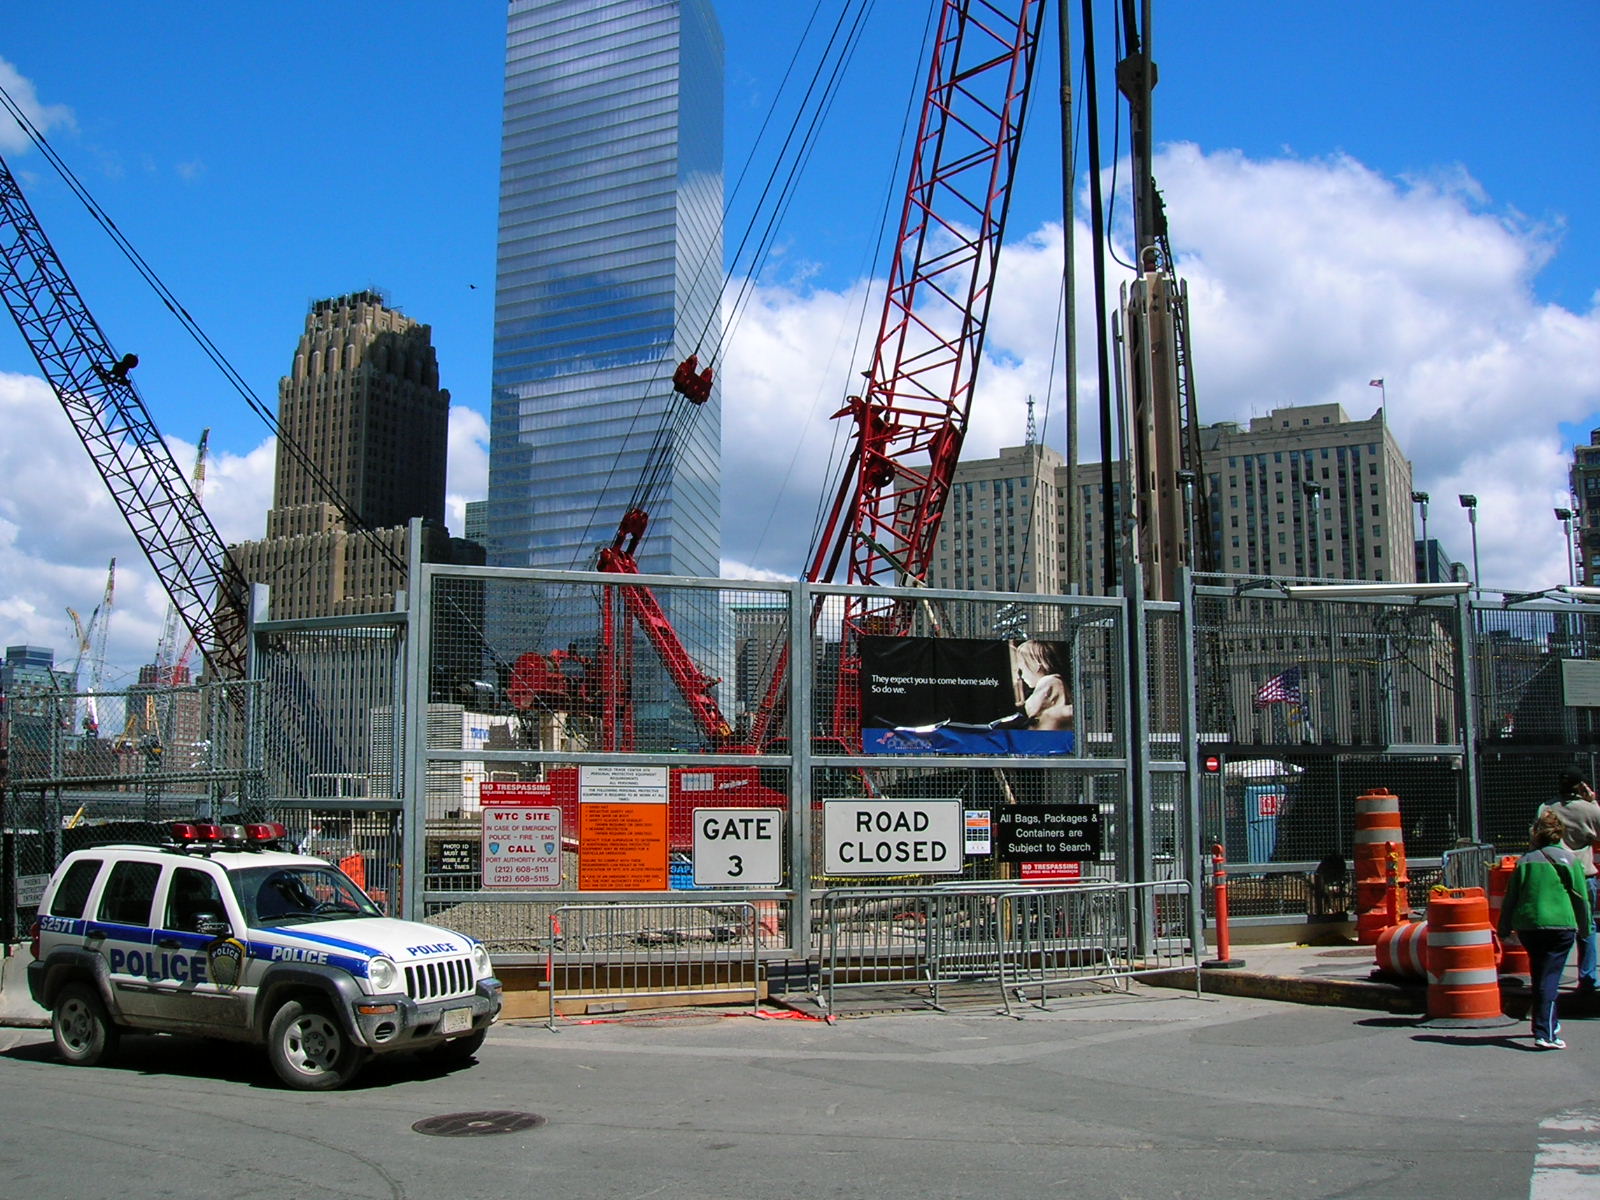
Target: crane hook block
[[691, 382]]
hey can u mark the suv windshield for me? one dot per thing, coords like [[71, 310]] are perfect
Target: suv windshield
[[295, 894]]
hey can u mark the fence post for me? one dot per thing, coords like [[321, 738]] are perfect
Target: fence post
[[1466, 671], [1219, 876], [1187, 849]]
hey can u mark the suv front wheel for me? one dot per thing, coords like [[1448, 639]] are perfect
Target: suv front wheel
[[309, 1049], [83, 1032]]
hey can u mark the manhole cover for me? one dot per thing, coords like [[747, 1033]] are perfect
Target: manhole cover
[[478, 1124]]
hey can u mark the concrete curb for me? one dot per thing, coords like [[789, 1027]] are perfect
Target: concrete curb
[[17, 1008], [1343, 993]]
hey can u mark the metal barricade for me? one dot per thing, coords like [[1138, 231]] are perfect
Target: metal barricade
[[1468, 866], [608, 953], [1014, 938]]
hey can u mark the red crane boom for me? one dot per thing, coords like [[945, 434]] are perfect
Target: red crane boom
[[912, 418]]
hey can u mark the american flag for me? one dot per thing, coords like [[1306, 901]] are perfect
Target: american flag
[[1282, 688], [1374, 383]]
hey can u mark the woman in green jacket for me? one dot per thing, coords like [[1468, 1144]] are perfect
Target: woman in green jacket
[[1546, 903]]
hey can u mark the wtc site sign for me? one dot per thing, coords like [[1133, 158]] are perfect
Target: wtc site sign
[[521, 846], [893, 837]]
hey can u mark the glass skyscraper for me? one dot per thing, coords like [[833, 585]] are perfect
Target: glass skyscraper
[[609, 273]]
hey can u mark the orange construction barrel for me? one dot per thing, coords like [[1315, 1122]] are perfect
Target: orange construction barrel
[[1463, 982], [1377, 836], [1514, 961], [1402, 950]]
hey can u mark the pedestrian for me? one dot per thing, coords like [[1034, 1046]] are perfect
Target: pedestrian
[[1580, 832], [1546, 905]]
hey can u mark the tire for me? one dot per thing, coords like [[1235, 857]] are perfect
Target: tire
[[457, 1049], [81, 1027], [309, 1049]]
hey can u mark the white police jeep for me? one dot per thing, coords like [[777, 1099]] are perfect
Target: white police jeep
[[220, 934]]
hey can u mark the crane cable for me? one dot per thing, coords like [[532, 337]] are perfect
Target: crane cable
[[192, 327], [794, 153]]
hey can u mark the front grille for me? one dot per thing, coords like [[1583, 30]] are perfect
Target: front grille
[[439, 978]]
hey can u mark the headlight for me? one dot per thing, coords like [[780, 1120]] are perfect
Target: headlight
[[383, 974], [480, 961]]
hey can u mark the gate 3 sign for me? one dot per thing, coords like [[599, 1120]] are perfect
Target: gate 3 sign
[[1047, 833]]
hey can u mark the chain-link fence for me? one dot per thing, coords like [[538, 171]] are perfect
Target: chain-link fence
[[93, 768], [704, 741]]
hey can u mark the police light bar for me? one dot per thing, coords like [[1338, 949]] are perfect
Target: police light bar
[[264, 832], [184, 832]]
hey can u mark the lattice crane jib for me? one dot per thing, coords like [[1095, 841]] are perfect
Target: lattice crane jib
[[92, 383]]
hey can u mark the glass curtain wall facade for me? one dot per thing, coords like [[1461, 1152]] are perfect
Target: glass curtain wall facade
[[609, 273]]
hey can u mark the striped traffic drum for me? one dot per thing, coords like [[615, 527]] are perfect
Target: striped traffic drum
[[1402, 950], [1514, 960], [1463, 982], [1377, 836]]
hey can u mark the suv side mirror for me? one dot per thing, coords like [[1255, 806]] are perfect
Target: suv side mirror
[[212, 925]]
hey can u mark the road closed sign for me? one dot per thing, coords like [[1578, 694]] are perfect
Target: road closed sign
[[738, 847], [893, 837]]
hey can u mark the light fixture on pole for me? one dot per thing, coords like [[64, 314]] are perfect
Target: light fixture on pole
[[1565, 516], [1420, 499], [1313, 493], [1470, 503]]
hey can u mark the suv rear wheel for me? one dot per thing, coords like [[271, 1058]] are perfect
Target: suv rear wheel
[[309, 1049], [83, 1032]]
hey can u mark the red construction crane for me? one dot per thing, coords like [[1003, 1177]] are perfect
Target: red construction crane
[[912, 417], [92, 382]]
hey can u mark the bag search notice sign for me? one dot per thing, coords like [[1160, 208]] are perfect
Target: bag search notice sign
[[1048, 833]]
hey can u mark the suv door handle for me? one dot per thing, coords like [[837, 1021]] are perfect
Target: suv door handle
[[93, 933], [169, 943]]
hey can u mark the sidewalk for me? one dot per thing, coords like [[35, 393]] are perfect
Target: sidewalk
[[1294, 973]]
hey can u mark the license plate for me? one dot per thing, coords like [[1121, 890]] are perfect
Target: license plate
[[455, 1020]]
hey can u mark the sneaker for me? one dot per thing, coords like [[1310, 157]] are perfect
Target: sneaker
[[1586, 987], [1549, 1043]]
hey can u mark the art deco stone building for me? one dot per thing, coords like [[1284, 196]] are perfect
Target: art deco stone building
[[365, 422]]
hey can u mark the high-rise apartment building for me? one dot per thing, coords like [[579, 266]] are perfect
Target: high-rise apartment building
[[364, 422], [609, 273], [1309, 493], [1303, 492], [1585, 482]]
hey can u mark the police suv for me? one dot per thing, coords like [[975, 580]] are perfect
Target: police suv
[[220, 934]]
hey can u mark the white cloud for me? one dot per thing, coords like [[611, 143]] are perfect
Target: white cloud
[[467, 464], [1306, 279], [59, 528], [44, 117]]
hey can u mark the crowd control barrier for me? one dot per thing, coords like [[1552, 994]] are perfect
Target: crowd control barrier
[[609, 954], [1021, 941]]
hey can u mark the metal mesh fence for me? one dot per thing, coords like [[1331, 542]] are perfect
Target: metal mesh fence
[[325, 716], [602, 663]]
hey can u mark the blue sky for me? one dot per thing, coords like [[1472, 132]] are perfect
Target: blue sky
[[1354, 190]]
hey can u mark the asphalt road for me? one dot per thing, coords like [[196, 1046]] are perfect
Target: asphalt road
[[1153, 1094]]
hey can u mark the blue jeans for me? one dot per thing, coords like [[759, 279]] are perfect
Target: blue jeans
[[1547, 958], [1586, 938]]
